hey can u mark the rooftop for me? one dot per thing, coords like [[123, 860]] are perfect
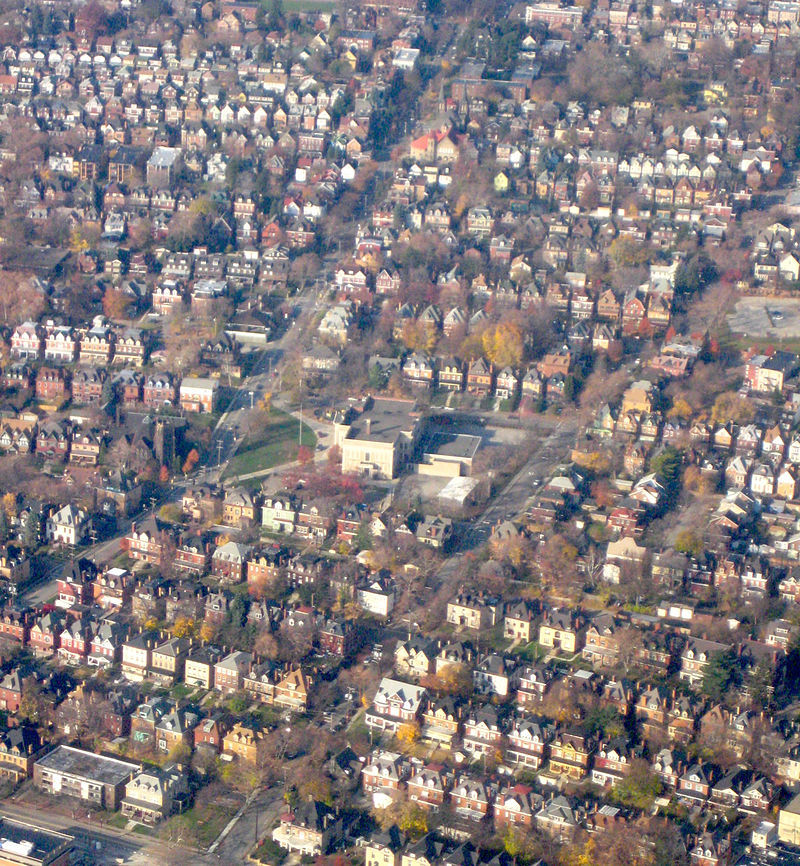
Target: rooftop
[[29, 841], [87, 765], [459, 445], [384, 421]]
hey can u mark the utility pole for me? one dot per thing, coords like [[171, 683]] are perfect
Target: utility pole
[[219, 452]]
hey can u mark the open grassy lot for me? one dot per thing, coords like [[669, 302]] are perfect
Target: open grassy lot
[[201, 824], [275, 443]]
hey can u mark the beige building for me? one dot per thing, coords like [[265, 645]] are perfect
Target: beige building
[[380, 441], [154, 794], [789, 822]]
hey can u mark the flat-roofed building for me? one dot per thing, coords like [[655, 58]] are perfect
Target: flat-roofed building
[[77, 773], [448, 455], [380, 441], [23, 844]]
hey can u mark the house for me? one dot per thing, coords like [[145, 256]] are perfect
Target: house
[[292, 691], [533, 683], [167, 660], [209, 734], [527, 743], [515, 806], [612, 762], [570, 755], [557, 818], [338, 637], [434, 531], [19, 748], [427, 786], [155, 794], [376, 594], [479, 378], [562, 630], [442, 720], [68, 526], [384, 771], [199, 667], [243, 742], [174, 729], [395, 703], [471, 612], [26, 341], [228, 562], [695, 657], [238, 508], [144, 542], [198, 395], [602, 640], [471, 798], [416, 656], [494, 675], [51, 384], [789, 822], [229, 672], [482, 731], [518, 621], [311, 829], [694, 786]]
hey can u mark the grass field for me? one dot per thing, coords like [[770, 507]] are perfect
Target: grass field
[[272, 445], [200, 825]]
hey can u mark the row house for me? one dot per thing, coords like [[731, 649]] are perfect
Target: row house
[[570, 755], [395, 703]]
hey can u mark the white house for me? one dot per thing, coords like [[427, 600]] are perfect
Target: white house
[[376, 595], [67, 526]]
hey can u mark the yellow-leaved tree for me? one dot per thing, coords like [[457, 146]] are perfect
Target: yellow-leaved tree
[[502, 344]]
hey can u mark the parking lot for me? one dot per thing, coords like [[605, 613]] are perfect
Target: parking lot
[[774, 318]]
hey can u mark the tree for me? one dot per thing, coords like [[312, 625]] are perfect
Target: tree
[[363, 537], [184, 627], [192, 459], [695, 275], [31, 533], [502, 344], [721, 674], [455, 679], [19, 298], [680, 409], [305, 455], [413, 821], [9, 504], [729, 406], [639, 787], [761, 684], [667, 465], [689, 542], [407, 735], [115, 303]]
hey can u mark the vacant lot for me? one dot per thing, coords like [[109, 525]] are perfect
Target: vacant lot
[[772, 318], [275, 443]]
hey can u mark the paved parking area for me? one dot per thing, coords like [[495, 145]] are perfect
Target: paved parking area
[[776, 318]]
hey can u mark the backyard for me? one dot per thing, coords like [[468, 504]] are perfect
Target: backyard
[[274, 443]]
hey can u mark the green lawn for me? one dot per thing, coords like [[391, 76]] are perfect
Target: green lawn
[[200, 825], [275, 443]]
